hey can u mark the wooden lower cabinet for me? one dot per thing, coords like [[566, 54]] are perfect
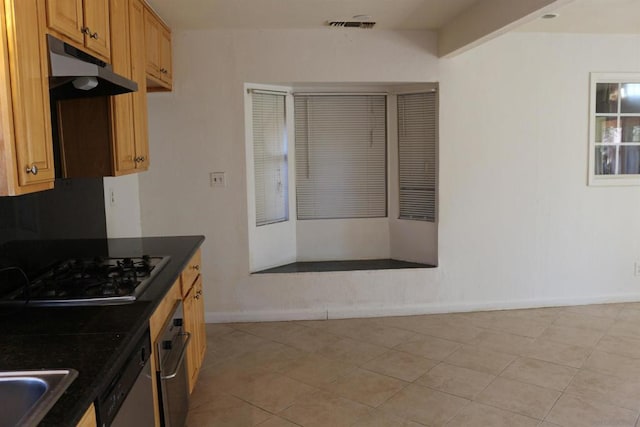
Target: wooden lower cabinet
[[194, 324], [190, 273], [193, 310], [89, 418]]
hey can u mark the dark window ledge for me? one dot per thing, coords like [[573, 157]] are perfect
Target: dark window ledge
[[351, 265]]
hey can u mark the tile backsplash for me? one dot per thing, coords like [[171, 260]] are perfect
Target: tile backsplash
[[73, 209]]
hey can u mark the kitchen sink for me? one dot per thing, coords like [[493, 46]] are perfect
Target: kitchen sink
[[27, 396]]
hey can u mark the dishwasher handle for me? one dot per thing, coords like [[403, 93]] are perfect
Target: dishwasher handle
[[180, 358]]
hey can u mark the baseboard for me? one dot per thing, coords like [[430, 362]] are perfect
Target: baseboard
[[265, 316], [407, 310]]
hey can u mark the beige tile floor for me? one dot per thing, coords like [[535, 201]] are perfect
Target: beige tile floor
[[567, 366]]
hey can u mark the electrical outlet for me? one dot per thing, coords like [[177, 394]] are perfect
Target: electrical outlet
[[112, 197], [636, 268], [218, 179]]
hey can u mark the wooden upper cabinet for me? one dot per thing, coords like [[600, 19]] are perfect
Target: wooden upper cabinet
[[139, 75], [83, 23], [152, 43], [118, 123], [157, 38], [96, 22], [166, 69], [66, 17], [130, 128], [122, 105], [26, 148]]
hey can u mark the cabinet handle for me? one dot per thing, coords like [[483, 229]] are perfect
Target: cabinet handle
[[33, 169], [94, 36], [86, 30]]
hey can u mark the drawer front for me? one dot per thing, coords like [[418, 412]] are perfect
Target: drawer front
[[160, 316], [191, 273]]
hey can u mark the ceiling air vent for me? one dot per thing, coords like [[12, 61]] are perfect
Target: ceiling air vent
[[352, 24]]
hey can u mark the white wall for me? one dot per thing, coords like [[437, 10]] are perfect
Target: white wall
[[343, 239], [123, 212], [415, 241], [517, 224]]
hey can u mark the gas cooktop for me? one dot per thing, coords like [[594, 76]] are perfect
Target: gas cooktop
[[89, 281]]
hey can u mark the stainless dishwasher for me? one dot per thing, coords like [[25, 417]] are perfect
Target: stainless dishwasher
[[128, 400], [173, 390]]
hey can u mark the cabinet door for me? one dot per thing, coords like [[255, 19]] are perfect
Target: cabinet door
[[190, 326], [65, 17], [200, 326], [152, 43], [28, 69], [194, 324], [89, 418], [191, 272], [96, 20], [122, 105], [139, 75], [166, 71]]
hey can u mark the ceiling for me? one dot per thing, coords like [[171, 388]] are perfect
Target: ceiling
[[584, 16], [592, 16], [306, 14]]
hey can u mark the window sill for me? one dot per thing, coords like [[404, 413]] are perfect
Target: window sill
[[348, 265]]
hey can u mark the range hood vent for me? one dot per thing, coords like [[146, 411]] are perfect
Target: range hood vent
[[76, 74]]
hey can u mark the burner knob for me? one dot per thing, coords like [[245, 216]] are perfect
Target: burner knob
[[177, 322], [167, 345]]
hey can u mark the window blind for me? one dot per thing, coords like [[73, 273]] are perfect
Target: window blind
[[270, 158], [340, 156], [417, 142]]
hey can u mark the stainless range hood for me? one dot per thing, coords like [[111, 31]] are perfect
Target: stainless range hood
[[76, 74]]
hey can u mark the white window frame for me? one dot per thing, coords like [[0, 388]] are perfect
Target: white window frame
[[272, 244], [608, 180], [435, 170], [283, 179]]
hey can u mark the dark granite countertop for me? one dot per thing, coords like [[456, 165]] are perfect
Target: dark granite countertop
[[95, 341]]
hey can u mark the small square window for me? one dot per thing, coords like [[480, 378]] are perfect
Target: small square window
[[614, 131]]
